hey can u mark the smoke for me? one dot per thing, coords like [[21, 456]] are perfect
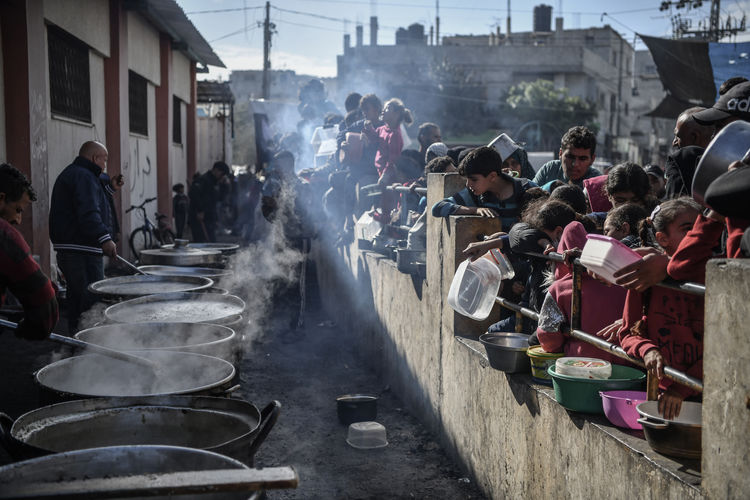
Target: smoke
[[269, 266]]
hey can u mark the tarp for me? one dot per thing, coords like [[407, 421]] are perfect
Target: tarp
[[692, 71]]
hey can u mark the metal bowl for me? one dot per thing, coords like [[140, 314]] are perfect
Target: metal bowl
[[356, 408], [731, 144], [224, 248], [507, 351]]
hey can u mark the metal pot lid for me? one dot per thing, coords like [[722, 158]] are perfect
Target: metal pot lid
[[729, 145], [224, 248], [208, 272], [180, 256], [690, 413], [97, 375], [143, 336], [176, 308], [140, 285]]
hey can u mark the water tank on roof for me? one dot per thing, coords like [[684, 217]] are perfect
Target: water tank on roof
[[543, 18]]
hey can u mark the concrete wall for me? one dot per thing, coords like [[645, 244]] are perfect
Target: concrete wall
[[82, 20], [179, 151], [509, 434], [726, 375], [210, 150]]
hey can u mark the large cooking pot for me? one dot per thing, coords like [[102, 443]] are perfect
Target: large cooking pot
[[140, 285], [680, 437], [177, 308], [208, 272], [118, 461], [200, 338], [94, 375], [228, 426], [732, 143], [181, 255]]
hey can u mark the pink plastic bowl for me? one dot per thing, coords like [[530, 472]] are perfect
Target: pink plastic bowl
[[619, 407]]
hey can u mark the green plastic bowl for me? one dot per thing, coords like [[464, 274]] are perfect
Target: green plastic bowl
[[582, 394]]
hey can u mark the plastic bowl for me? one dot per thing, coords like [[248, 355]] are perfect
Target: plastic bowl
[[605, 256], [540, 361], [367, 435], [620, 407], [583, 367], [582, 394]]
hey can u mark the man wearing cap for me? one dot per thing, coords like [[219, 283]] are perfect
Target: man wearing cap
[[204, 194], [734, 105], [577, 154]]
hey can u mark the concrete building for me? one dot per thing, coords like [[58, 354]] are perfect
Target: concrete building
[[215, 124], [120, 72], [595, 64], [284, 85]]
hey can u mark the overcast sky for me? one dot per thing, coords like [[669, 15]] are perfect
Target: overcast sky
[[309, 33]]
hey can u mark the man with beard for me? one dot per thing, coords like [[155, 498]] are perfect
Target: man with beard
[[577, 155]]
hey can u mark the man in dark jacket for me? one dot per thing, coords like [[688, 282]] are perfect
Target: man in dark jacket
[[203, 198], [689, 143], [80, 227]]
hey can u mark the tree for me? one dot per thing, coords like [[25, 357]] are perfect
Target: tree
[[549, 108]]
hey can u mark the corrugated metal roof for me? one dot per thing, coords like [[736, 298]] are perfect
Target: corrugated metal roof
[[214, 92], [169, 17]]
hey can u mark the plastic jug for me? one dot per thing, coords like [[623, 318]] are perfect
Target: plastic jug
[[366, 227], [476, 284]]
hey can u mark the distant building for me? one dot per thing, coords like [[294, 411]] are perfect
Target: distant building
[[215, 123], [595, 64], [284, 85]]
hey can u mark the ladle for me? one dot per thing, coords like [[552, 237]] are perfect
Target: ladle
[[130, 265], [105, 351]]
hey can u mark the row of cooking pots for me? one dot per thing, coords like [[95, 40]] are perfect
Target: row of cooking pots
[[193, 358]]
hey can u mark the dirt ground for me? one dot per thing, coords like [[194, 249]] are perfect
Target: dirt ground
[[305, 371]]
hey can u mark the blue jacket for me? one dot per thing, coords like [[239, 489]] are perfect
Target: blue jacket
[[80, 218]]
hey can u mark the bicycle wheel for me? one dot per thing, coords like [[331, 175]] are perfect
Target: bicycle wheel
[[140, 239]]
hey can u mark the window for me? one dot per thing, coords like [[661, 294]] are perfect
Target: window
[[176, 120], [69, 83], [138, 103]]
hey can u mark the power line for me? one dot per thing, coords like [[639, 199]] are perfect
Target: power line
[[309, 26], [217, 11], [243, 30]]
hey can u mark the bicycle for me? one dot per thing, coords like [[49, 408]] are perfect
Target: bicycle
[[149, 235]]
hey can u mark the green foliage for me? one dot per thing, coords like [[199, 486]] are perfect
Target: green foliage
[[541, 101]]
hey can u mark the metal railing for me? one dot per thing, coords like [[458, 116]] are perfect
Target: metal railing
[[598, 342]]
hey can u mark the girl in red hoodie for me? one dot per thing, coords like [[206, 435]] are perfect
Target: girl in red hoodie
[[601, 304], [663, 326]]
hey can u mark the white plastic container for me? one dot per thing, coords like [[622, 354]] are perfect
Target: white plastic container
[[367, 435], [476, 284], [605, 256], [592, 368], [366, 227]]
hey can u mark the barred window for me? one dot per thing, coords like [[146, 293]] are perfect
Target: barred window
[[138, 103], [176, 120], [70, 86]]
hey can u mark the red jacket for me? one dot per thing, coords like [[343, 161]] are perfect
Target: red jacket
[[20, 274], [673, 324], [390, 143]]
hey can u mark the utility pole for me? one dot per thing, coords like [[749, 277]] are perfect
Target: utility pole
[[437, 22], [620, 62], [711, 30], [267, 30]]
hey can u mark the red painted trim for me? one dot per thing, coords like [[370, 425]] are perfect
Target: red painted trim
[[191, 138]]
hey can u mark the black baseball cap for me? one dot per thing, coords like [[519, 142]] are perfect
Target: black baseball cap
[[736, 102]]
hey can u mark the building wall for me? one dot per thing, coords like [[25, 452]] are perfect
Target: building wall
[[64, 135], [181, 76], [143, 48], [140, 173], [84, 20], [210, 150]]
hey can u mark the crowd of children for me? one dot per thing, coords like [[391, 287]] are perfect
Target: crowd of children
[[554, 209]]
